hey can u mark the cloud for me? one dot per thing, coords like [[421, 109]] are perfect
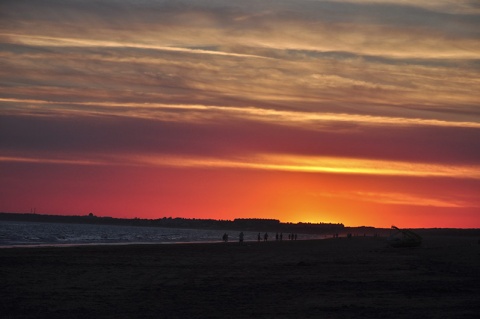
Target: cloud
[[46, 41], [372, 28], [406, 199], [37, 160], [445, 6], [322, 84], [47, 129], [269, 162], [278, 54], [210, 113]]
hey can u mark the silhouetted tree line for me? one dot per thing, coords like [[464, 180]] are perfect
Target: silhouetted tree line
[[245, 224], [241, 224]]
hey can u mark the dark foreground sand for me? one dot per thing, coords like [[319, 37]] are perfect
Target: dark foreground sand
[[335, 278]]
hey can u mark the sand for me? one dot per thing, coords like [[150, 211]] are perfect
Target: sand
[[336, 278]]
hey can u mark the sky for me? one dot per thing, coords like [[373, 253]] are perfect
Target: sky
[[341, 111]]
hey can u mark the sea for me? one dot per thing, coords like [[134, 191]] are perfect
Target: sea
[[40, 234]]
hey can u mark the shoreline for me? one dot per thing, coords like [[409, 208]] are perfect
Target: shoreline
[[193, 242], [33, 246]]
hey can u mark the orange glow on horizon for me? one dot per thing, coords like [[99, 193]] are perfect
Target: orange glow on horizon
[[201, 192]]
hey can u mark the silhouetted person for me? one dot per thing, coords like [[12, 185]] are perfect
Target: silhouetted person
[[295, 236], [240, 237], [225, 237], [281, 236], [265, 237], [276, 236]]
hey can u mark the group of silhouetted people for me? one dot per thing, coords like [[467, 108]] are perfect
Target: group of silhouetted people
[[278, 236], [265, 237]]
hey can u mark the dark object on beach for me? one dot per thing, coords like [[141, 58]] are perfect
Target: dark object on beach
[[404, 238]]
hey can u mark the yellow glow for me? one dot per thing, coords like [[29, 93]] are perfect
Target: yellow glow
[[366, 166], [322, 165]]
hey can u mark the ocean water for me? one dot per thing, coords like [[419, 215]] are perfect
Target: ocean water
[[14, 234]]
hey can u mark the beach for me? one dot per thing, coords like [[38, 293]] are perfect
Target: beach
[[360, 277]]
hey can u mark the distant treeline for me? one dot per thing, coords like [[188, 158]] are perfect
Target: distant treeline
[[245, 224], [241, 224]]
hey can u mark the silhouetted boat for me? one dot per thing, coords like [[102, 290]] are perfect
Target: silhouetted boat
[[404, 238]]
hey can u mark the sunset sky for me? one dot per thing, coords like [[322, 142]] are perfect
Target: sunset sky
[[344, 111]]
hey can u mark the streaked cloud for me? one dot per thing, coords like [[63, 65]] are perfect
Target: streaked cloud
[[154, 110], [275, 162], [446, 6], [36, 160], [399, 30], [45, 41], [400, 199]]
